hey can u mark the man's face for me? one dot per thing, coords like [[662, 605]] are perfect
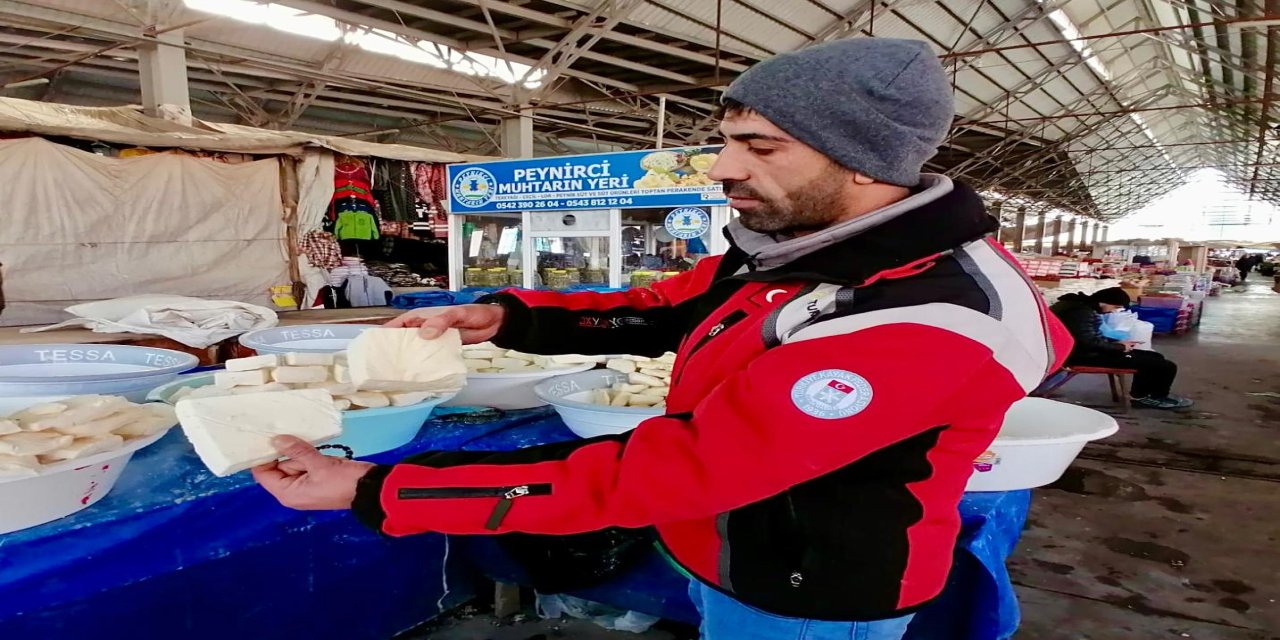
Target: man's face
[[777, 183], [1110, 308]]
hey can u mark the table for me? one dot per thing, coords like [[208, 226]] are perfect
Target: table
[[978, 603], [173, 552]]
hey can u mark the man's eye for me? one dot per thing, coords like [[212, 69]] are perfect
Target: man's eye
[[760, 151]]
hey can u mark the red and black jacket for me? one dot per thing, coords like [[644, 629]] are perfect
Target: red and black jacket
[[822, 423]]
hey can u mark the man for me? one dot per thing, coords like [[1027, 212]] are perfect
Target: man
[[1082, 315], [838, 370], [1245, 265]]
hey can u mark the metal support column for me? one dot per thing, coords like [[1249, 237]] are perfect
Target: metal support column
[[1097, 231], [1071, 235], [1019, 229], [1040, 234], [1084, 236], [517, 136], [1057, 236], [1105, 231], [163, 67]]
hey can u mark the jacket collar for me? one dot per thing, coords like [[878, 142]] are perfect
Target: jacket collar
[[940, 216]]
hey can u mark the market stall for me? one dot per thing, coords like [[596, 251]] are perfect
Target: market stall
[[603, 220], [114, 203]]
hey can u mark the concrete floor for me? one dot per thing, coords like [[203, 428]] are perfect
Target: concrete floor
[[1170, 529]]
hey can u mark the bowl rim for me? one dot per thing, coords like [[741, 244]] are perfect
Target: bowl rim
[[247, 340], [541, 392], [155, 395], [190, 362], [577, 368]]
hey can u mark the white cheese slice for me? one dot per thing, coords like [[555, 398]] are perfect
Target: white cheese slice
[[38, 412], [232, 379], [369, 400], [231, 434], [83, 448], [79, 411], [621, 399], [150, 420], [398, 360], [9, 426], [300, 375], [262, 388], [578, 359], [18, 465], [640, 378], [621, 365], [527, 357], [102, 426], [210, 391], [309, 359], [253, 364], [409, 398], [341, 404], [335, 388], [33, 443], [341, 372]]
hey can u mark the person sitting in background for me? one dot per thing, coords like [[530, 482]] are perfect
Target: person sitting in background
[[1082, 315]]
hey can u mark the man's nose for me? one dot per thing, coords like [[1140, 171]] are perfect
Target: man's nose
[[728, 166]]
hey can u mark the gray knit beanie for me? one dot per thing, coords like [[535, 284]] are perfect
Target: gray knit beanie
[[878, 106]]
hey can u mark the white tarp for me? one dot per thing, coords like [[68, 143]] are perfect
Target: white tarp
[[77, 227]]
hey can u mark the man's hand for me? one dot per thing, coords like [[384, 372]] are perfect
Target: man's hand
[[477, 322], [1130, 345], [310, 480]]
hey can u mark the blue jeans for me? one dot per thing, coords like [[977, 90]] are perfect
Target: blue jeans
[[724, 618]]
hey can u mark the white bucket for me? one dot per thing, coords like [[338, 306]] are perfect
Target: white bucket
[[30, 374], [63, 489], [1039, 439], [308, 338], [569, 394], [508, 391]]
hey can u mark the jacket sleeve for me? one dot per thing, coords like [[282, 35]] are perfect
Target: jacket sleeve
[[640, 321], [756, 435]]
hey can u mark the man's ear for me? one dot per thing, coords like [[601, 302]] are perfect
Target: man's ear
[[861, 179]]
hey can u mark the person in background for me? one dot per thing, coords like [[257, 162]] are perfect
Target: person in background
[[1245, 265], [1082, 315], [838, 370]]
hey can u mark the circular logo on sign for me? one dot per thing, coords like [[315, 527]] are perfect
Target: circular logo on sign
[[832, 394], [473, 187], [688, 223]]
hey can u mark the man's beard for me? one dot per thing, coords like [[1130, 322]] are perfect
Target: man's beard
[[811, 207]]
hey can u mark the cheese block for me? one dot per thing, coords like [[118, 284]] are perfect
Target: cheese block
[[231, 434], [408, 399], [341, 404], [9, 426], [300, 375], [79, 411], [262, 388], [101, 426], [578, 359], [150, 420], [369, 400], [335, 388], [301, 359], [341, 373], [512, 363], [33, 443], [253, 364], [640, 378], [621, 365], [18, 465], [210, 391], [232, 379], [38, 412], [621, 399], [83, 448], [599, 396], [527, 357], [398, 360]]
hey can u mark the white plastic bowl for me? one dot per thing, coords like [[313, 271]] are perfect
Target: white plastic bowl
[[307, 338], [570, 394], [65, 488], [508, 391], [35, 373], [366, 431], [1039, 439]]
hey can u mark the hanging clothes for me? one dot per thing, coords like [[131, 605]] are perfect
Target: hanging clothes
[[395, 189], [367, 291], [356, 225], [321, 249], [430, 181]]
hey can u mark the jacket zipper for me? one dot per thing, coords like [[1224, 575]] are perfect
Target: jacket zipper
[[507, 495], [797, 574], [728, 321]]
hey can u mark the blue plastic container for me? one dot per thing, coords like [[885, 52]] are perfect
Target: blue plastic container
[[39, 371], [1163, 320], [307, 338], [366, 431]]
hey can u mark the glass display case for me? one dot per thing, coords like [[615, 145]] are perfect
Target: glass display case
[[491, 250]]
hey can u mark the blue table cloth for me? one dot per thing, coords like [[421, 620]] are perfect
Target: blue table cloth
[[173, 552], [978, 604]]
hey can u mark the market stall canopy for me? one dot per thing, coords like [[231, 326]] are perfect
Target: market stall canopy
[[128, 125]]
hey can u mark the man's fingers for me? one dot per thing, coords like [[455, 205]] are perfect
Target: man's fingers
[[297, 449], [433, 326], [268, 475]]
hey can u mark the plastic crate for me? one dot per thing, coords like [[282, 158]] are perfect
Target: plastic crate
[[1162, 302]]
